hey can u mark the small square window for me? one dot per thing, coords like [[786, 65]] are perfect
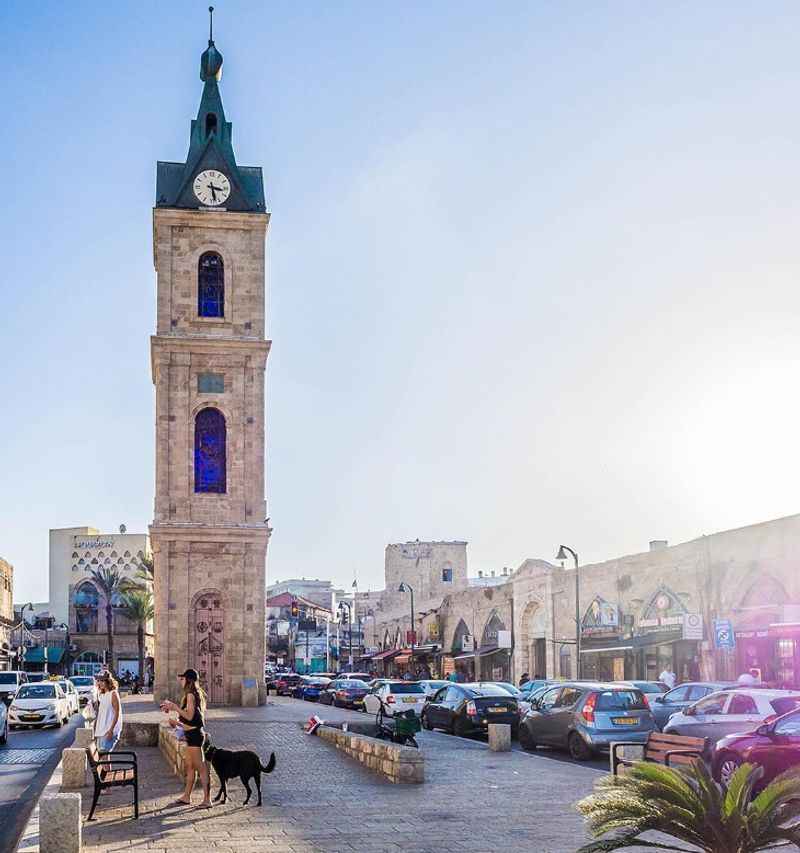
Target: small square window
[[210, 383]]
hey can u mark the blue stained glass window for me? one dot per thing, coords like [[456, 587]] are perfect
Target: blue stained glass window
[[210, 286], [86, 601], [209, 451]]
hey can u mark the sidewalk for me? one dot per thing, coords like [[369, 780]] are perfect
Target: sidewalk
[[320, 801]]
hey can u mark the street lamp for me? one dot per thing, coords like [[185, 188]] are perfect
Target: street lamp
[[66, 645], [562, 555], [342, 605], [404, 587]]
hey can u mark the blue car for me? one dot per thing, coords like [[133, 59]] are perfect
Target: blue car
[[310, 687]]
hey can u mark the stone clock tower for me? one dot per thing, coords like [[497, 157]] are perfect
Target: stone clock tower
[[209, 535]]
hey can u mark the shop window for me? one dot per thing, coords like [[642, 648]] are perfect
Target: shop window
[[447, 575], [742, 704]]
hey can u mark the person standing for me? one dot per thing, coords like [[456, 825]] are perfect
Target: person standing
[[523, 678], [667, 676], [191, 718], [108, 721]]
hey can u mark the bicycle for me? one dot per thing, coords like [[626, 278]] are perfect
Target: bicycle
[[404, 725]]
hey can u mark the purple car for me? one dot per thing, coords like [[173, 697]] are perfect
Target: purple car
[[345, 693]]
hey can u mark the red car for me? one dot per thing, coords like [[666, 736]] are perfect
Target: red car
[[286, 682], [774, 745]]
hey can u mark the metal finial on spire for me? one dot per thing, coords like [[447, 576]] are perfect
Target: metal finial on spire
[[210, 24]]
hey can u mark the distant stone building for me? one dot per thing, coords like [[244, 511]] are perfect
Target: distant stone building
[[319, 591], [6, 611]]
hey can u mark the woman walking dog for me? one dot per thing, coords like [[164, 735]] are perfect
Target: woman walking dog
[[191, 719]]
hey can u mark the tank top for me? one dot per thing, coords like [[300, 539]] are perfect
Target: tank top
[[197, 720], [105, 714]]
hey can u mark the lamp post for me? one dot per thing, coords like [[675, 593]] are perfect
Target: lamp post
[[562, 555], [404, 587], [342, 605], [66, 646]]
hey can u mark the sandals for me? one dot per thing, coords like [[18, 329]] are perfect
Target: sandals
[[179, 803]]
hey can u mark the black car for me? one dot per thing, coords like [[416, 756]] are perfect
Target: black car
[[345, 693], [464, 709]]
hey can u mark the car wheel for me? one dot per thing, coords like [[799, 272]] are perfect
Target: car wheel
[[460, 727], [4, 738], [726, 767], [525, 739], [426, 722], [578, 749]]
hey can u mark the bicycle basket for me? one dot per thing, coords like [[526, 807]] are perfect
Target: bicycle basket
[[407, 723]]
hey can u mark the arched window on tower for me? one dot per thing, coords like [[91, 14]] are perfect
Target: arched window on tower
[[211, 124], [210, 286], [209, 451], [86, 601]]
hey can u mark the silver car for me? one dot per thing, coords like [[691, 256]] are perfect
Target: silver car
[[732, 711]]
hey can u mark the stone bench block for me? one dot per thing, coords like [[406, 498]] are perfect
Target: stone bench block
[[73, 766], [83, 737], [60, 829], [499, 737], [395, 763]]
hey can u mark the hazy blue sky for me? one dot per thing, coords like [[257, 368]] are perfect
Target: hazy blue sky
[[533, 269]]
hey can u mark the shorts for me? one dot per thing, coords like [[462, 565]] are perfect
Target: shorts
[[107, 744], [194, 737]]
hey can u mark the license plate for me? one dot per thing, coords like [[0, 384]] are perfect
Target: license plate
[[497, 710], [30, 717], [624, 721], [410, 700]]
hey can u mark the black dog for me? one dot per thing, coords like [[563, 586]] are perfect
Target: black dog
[[243, 763]]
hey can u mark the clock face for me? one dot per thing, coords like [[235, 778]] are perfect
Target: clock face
[[212, 188]]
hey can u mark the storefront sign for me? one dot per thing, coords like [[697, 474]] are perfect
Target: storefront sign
[[601, 617], [664, 612], [723, 634], [468, 643], [504, 639], [692, 626], [92, 543]]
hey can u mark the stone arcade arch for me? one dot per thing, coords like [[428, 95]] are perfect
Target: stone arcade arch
[[533, 640]]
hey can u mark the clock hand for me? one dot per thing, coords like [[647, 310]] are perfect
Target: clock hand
[[213, 194]]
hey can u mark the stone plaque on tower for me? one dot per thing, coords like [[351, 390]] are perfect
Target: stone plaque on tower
[[209, 533]]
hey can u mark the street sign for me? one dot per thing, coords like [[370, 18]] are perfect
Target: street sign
[[723, 634], [692, 626]]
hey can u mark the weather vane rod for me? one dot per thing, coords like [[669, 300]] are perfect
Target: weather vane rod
[[211, 23]]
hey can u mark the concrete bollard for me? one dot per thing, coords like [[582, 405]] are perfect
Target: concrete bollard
[[60, 824], [73, 767], [83, 737], [499, 737]]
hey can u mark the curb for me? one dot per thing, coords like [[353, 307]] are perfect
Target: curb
[[29, 840]]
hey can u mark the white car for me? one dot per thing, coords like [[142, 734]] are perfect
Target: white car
[[396, 695], [42, 704], [3, 724], [430, 686], [72, 695], [86, 687]]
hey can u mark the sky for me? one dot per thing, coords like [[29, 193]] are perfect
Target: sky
[[532, 269]]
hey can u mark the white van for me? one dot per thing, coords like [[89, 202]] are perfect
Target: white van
[[10, 681]]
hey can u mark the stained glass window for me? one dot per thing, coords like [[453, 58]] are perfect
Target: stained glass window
[[86, 601], [209, 451], [210, 286]]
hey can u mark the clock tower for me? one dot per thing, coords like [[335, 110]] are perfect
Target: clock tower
[[209, 533]]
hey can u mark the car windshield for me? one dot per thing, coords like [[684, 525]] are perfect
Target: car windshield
[[8, 677], [82, 681], [509, 688], [620, 700], [784, 704], [406, 687], [488, 690], [354, 684], [37, 691], [650, 687], [64, 686]]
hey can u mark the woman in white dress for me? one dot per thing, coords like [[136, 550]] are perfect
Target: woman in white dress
[[108, 723]]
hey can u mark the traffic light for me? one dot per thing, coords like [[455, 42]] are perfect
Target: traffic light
[[295, 610]]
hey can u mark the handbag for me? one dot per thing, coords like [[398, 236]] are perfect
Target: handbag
[[180, 733]]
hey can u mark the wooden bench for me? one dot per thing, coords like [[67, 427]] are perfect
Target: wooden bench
[[111, 771], [664, 749]]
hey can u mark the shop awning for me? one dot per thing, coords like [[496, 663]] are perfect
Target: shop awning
[[388, 655], [401, 659], [36, 654], [784, 629], [464, 656], [426, 649], [619, 648]]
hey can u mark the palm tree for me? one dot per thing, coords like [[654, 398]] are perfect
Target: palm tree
[[147, 570], [138, 607], [688, 805], [111, 584]]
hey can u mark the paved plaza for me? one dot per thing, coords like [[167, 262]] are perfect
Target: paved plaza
[[319, 800]]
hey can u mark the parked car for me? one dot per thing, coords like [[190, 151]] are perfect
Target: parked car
[[773, 745], [10, 682], [680, 697], [657, 687], [405, 695], [534, 684], [345, 693], [463, 709], [4, 723], [39, 705], [523, 704], [72, 695], [286, 682], [309, 688], [35, 677], [86, 688], [358, 676], [585, 717], [731, 711], [430, 686]]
